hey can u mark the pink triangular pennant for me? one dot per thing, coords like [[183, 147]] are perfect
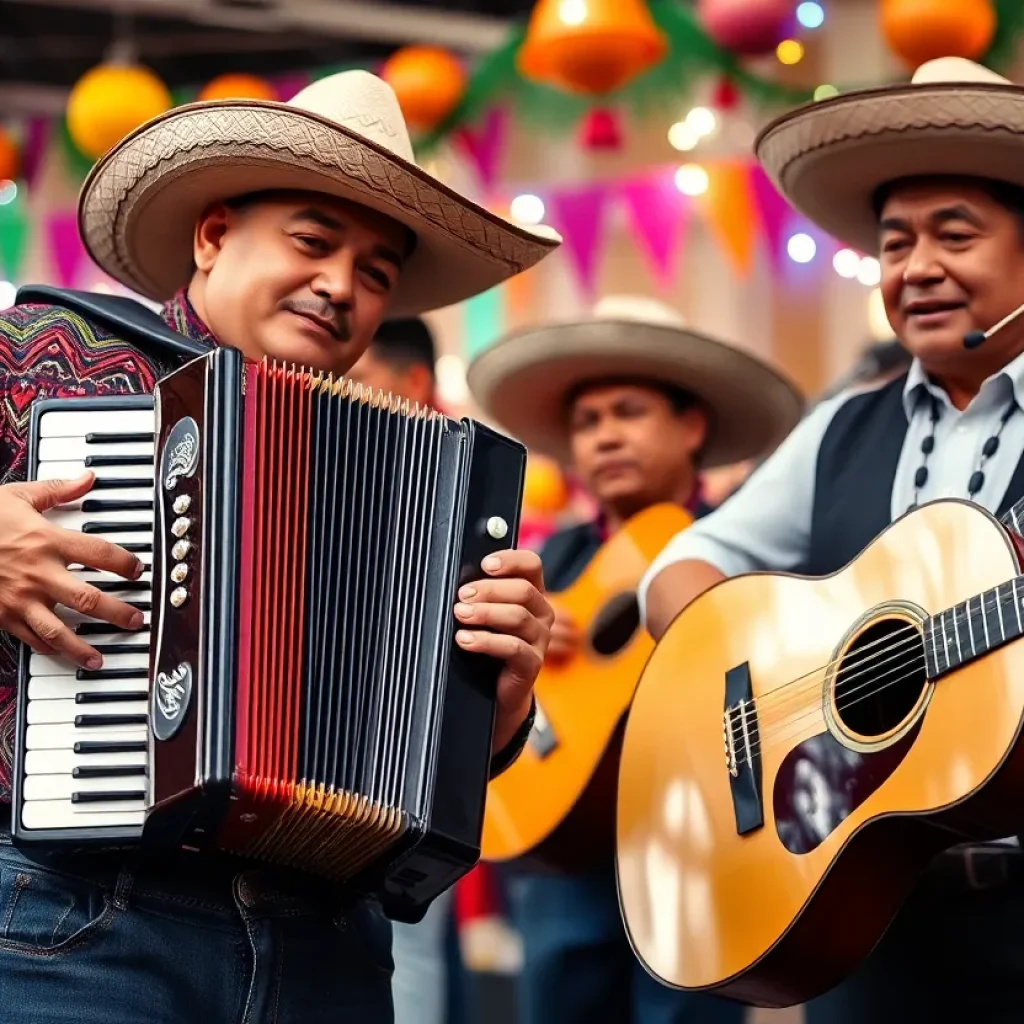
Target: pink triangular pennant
[[578, 215], [773, 210], [658, 216], [33, 148], [286, 86], [484, 146], [66, 248]]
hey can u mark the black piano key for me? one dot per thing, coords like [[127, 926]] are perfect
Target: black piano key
[[125, 585], [136, 546], [142, 606], [118, 460], [104, 628], [140, 438], [109, 797], [110, 747], [88, 674], [118, 483], [117, 505], [117, 527], [105, 721], [121, 648], [107, 771], [95, 697]]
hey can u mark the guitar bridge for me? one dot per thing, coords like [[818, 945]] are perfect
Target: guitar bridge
[[742, 736]]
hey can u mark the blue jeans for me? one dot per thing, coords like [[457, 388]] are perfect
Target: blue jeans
[[420, 951], [579, 967], [94, 940]]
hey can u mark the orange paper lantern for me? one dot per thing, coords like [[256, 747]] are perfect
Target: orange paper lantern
[[238, 87], [428, 82], [590, 46], [922, 30], [544, 489], [9, 161]]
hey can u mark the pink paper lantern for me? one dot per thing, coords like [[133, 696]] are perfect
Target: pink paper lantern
[[750, 27]]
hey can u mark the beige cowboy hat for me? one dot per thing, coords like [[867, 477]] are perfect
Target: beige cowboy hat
[[523, 381], [343, 135], [829, 158]]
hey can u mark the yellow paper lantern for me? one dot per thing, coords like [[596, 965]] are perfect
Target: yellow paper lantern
[[544, 490], [9, 162], [237, 87], [590, 47], [428, 82], [921, 30], [110, 101]]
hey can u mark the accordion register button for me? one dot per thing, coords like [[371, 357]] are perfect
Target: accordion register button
[[180, 550], [179, 596], [181, 504], [497, 527], [179, 572], [180, 526]]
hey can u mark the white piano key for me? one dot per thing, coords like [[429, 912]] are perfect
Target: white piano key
[[61, 787], [63, 762], [55, 665], [71, 469], [78, 423], [53, 712], [145, 557], [64, 737], [68, 687], [75, 449], [73, 519], [109, 494], [102, 576], [73, 618], [55, 814]]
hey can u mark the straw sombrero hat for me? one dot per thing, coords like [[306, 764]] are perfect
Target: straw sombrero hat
[[522, 381], [954, 118], [343, 135]]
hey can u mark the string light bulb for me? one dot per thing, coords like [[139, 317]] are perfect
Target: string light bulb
[[790, 51], [692, 180], [810, 14], [801, 248]]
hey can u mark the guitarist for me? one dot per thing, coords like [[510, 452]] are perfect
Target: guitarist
[[634, 404], [924, 177]]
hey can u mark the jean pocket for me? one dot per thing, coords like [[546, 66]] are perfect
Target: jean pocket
[[367, 933], [48, 913]]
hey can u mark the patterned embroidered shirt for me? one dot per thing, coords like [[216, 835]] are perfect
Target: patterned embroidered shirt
[[49, 352]]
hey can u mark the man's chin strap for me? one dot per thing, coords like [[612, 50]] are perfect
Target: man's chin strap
[[124, 317]]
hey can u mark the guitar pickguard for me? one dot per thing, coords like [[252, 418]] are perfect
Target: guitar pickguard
[[821, 783]]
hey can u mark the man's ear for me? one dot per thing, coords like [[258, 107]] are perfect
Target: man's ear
[[208, 238], [696, 423]]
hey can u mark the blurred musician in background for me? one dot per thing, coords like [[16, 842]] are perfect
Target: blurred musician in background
[[304, 276], [400, 361], [634, 404]]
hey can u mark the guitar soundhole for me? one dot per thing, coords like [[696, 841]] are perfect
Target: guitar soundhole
[[881, 678], [615, 625]]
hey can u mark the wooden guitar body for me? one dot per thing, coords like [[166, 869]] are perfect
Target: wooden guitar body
[[799, 749], [555, 807]]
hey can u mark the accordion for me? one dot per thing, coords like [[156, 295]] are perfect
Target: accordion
[[296, 695]]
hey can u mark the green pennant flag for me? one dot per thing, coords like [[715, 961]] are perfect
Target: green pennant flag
[[483, 321], [14, 229]]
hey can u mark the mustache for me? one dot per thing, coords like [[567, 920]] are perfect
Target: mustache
[[322, 310]]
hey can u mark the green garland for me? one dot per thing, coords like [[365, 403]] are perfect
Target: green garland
[[693, 57]]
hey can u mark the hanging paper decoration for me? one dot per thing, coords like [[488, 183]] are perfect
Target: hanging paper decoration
[[590, 47], [110, 101], [33, 147], [578, 216], [726, 96], [601, 131], [921, 30], [9, 162], [773, 211], [14, 232], [749, 27], [237, 87], [66, 248], [545, 492], [485, 145], [728, 209], [658, 216], [428, 82]]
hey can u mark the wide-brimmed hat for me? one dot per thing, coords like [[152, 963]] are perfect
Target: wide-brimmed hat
[[524, 380], [343, 135], [829, 158]]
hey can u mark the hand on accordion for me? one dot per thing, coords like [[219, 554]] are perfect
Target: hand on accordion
[[34, 558], [511, 620]]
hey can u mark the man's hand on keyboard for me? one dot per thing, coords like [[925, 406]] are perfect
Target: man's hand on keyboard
[[34, 556]]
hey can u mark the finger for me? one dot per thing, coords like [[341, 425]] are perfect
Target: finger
[[521, 660], [515, 562], [56, 635], [96, 553], [513, 591], [44, 494], [86, 599], [513, 619], [26, 636]]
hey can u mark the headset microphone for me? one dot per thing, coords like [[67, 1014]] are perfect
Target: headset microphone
[[974, 339]]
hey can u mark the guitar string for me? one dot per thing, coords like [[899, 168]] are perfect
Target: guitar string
[[958, 617], [814, 687]]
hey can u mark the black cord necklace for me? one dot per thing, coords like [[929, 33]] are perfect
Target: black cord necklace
[[988, 449]]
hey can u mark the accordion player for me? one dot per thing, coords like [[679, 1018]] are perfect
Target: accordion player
[[295, 695]]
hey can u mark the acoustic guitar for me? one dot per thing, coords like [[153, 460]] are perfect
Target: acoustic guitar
[[555, 807], [799, 749]]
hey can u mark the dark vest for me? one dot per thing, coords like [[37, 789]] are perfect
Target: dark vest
[[855, 473]]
